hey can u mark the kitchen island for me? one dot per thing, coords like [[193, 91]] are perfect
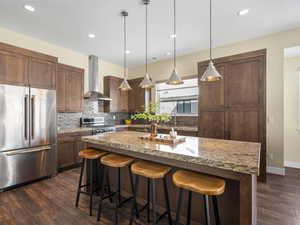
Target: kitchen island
[[236, 162]]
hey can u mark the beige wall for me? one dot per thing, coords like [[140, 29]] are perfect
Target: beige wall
[[64, 55], [187, 65], [291, 110]]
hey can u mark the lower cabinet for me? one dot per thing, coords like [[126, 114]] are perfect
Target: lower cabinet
[[68, 148]]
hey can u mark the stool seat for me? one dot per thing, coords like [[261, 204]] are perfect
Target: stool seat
[[90, 154], [115, 160], [200, 183], [149, 169]]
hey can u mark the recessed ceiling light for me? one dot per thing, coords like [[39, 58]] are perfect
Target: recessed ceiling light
[[127, 52], [29, 8], [92, 35], [173, 36], [243, 12]]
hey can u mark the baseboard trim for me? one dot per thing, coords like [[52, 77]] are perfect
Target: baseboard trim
[[276, 170], [292, 164]]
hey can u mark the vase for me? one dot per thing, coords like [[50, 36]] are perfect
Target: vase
[[154, 127]]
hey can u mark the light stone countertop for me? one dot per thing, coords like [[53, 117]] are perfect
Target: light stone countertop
[[243, 157], [73, 130], [166, 127]]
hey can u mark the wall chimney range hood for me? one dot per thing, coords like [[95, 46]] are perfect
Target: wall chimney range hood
[[94, 93]]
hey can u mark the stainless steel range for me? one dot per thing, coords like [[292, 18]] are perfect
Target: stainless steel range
[[27, 134], [97, 123]]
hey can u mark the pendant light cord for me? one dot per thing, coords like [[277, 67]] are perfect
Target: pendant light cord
[[125, 48], [146, 57], [210, 30], [175, 37]]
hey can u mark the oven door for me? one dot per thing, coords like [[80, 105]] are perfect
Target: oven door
[[26, 165]]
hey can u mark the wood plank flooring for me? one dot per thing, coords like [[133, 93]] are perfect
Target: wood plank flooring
[[51, 202]]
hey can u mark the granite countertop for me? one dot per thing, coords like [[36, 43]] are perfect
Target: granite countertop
[[73, 130], [166, 127], [243, 157]]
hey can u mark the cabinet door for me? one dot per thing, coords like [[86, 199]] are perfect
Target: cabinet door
[[42, 74], [74, 92], [244, 125], [13, 68], [136, 96], [244, 83], [61, 90], [212, 94], [66, 154], [212, 124]]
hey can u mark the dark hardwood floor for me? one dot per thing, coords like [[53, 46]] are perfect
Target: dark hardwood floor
[[51, 202]]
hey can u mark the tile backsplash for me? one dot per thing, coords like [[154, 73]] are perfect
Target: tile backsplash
[[91, 108]]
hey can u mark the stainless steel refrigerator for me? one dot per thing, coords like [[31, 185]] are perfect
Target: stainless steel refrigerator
[[27, 134]]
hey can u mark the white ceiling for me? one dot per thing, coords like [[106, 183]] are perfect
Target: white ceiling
[[68, 22]]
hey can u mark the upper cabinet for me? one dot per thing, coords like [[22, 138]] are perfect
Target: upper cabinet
[[136, 96], [13, 68], [124, 101], [42, 74], [119, 98], [23, 67], [70, 85]]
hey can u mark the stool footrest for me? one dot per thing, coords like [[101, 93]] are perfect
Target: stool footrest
[[125, 201], [144, 207]]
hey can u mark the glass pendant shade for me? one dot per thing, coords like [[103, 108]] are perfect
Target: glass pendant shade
[[174, 79], [125, 86], [211, 73], [146, 82]]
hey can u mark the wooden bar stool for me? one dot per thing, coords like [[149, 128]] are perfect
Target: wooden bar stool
[[92, 156], [151, 171], [115, 161], [201, 184]]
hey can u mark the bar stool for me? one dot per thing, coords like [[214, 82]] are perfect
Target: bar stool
[[115, 161], [201, 184], [151, 171], [90, 155]]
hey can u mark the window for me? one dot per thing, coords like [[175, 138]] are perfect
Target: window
[[181, 99]]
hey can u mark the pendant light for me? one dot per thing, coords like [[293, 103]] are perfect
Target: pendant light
[[211, 73], [174, 79], [146, 82], [125, 85]]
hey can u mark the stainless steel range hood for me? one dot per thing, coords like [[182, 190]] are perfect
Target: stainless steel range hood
[[94, 81]]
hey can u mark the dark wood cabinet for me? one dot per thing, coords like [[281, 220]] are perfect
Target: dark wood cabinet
[[13, 68], [125, 101], [69, 89], [119, 98], [66, 154], [235, 107], [69, 146], [23, 67], [136, 96], [42, 74], [61, 90]]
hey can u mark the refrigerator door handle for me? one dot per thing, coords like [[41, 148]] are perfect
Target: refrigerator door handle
[[26, 110], [21, 152], [32, 115]]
